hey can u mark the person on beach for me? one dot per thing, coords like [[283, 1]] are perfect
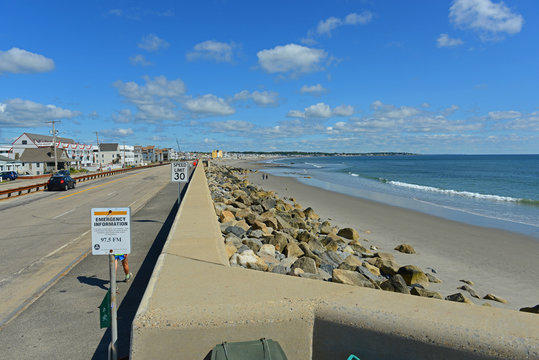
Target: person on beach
[[125, 265]]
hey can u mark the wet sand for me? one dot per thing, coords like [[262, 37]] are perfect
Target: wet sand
[[499, 262]]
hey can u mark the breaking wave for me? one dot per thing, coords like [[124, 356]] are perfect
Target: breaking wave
[[463, 193]]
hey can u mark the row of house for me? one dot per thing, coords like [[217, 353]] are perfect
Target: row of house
[[35, 154]]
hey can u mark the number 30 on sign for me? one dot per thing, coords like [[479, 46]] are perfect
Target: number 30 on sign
[[179, 171]]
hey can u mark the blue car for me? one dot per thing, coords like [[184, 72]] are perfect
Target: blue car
[[9, 175]]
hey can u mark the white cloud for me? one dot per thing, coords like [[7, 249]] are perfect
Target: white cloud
[[260, 98], [118, 132], [156, 87], [445, 41], [291, 58], [20, 61], [489, 18], [325, 27], [123, 116], [139, 60], [26, 113], [209, 105], [159, 138], [313, 90], [504, 115], [152, 42], [231, 126], [362, 19], [343, 110], [156, 100], [212, 50], [390, 120], [321, 111]]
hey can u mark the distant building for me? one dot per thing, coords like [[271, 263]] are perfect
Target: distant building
[[148, 154], [7, 164], [80, 154], [108, 154], [216, 154], [41, 161]]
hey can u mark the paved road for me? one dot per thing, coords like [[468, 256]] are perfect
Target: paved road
[[45, 233], [64, 322]]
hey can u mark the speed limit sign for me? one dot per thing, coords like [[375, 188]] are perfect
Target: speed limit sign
[[179, 171]]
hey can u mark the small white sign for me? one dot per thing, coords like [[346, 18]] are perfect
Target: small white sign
[[111, 231], [179, 171]]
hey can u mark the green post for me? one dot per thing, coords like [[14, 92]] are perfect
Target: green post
[[104, 312]]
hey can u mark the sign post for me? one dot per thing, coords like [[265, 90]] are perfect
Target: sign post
[[179, 174], [111, 235]]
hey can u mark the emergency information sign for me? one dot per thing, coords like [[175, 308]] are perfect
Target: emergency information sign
[[111, 231], [179, 171]]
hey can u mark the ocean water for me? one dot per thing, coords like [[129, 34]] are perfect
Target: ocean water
[[499, 191]]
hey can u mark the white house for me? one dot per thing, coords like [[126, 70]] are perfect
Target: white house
[[41, 161], [7, 164], [80, 154]]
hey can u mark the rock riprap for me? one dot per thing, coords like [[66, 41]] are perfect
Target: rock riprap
[[266, 233]]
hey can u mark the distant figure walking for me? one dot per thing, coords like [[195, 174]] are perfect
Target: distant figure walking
[[125, 265]]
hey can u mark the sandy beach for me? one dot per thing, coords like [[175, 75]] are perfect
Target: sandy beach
[[498, 262]]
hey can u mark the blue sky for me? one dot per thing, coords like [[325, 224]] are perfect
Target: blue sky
[[338, 76]]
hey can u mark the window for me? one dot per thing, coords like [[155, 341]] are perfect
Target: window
[[37, 164], [24, 142]]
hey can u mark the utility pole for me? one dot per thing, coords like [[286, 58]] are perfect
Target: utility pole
[[124, 155], [54, 132], [98, 151]]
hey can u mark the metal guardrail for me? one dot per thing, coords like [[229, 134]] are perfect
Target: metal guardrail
[[11, 193]]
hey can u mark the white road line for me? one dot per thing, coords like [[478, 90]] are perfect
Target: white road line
[[67, 212], [114, 192]]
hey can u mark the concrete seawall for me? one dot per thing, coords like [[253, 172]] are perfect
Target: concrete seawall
[[195, 300]]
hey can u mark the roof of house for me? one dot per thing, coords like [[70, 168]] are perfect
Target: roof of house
[[43, 155], [42, 138], [109, 147], [6, 159]]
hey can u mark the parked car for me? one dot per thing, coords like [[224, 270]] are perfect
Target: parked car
[[9, 175], [61, 182]]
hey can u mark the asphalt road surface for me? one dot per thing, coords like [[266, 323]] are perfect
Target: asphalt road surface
[[50, 287]]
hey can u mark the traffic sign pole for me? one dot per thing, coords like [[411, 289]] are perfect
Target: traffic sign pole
[[180, 173], [114, 322]]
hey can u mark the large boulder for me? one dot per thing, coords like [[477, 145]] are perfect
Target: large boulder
[[293, 250], [495, 298], [253, 244], [350, 278], [396, 284], [226, 216], [458, 297], [326, 228], [236, 230], [387, 266], [405, 248], [310, 214], [279, 240], [413, 275], [531, 309], [425, 293], [230, 249], [348, 233], [306, 264], [470, 290]]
